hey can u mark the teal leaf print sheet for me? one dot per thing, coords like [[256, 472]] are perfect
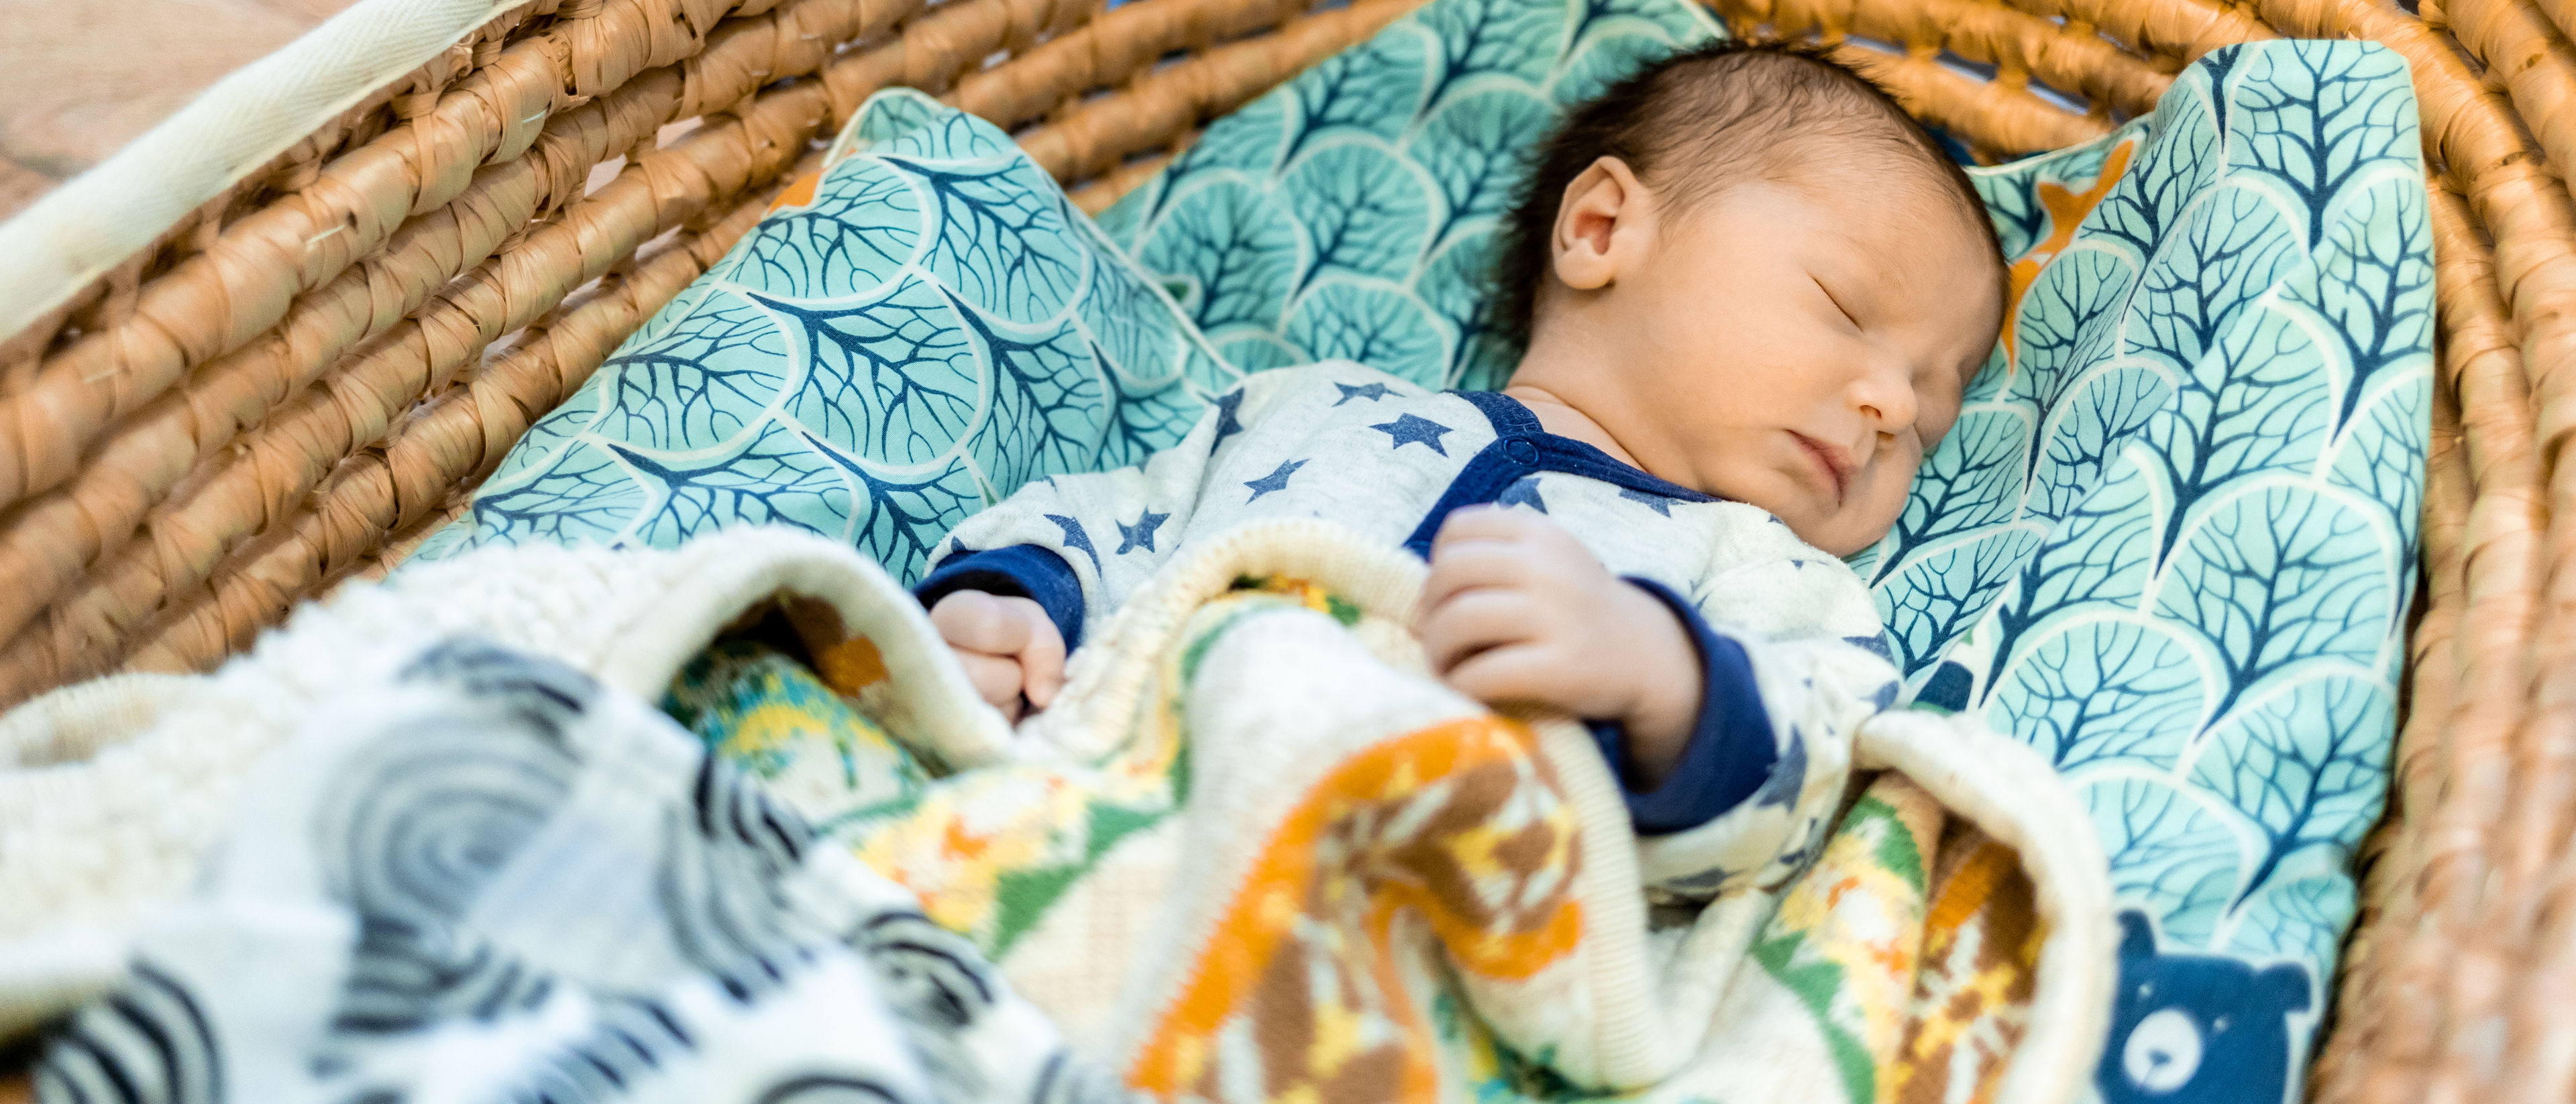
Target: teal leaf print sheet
[[935, 326], [2171, 544], [1352, 211]]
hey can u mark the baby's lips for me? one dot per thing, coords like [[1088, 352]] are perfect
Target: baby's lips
[[1835, 465]]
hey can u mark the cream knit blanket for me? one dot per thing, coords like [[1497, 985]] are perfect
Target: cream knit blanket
[[1367, 888]]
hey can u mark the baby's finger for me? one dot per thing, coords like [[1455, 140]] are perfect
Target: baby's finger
[[1473, 622], [983, 622], [1513, 673], [1473, 565], [996, 680], [1488, 522], [1042, 665]]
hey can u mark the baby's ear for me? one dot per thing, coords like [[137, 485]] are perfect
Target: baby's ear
[[1602, 212]]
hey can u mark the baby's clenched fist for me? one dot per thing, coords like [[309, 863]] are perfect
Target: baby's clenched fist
[[1009, 646], [1516, 610]]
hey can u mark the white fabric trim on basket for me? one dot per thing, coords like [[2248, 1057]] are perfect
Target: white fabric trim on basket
[[94, 221]]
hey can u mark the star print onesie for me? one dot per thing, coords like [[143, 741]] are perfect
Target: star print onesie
[[1789, 641]]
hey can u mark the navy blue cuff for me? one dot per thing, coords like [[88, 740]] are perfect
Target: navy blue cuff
[[1730, 753], [1028, 571]]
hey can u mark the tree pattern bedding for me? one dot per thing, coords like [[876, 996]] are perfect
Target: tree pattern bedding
[[2170, 544]]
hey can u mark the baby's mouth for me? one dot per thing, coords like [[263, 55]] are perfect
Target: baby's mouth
[[1836, 467]]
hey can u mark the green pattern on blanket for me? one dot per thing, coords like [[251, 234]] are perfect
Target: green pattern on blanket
[[768, 714], [1830, 979]]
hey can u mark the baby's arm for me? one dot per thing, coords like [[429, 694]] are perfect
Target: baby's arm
[[1810, 667], [1732, 745], [1012, 587], [1517, 610]]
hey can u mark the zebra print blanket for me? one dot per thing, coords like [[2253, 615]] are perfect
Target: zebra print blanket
[[492, 879]]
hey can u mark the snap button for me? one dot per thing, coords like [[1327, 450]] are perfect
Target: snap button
[[1521, 451]]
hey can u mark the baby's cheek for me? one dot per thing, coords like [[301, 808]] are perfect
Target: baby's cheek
[[1870, 515]]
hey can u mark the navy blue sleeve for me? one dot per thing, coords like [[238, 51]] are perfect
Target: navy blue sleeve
[[1028, 571], [1730, 753]]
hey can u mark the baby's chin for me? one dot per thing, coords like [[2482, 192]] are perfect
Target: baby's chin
[[1837, 532]]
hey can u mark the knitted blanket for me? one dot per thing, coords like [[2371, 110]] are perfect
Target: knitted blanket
[[1252, 854]]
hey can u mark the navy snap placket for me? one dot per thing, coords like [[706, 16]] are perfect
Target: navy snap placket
[[1522, 449]]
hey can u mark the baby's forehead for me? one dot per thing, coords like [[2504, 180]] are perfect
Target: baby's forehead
[[1868, 207]]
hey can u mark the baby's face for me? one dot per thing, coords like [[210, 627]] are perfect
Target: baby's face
[[1801, 348]]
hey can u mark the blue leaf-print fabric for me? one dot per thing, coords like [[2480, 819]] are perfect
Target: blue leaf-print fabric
[[1352, 212], [2171, 543], [935, 326]]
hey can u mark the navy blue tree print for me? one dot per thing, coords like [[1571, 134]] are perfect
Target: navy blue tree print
[[1374, 323], [1365, 211], [2374, 303], [1487, 38], [846, 242], [1972, 482], [1373, 88], [1942, 593], [2316, 121], [1478, 153], [2302, 792], [1239, 252], [775, 478], [2278, 578], [2170, 845], [1005, 241], [899, 519], [699, 383], [2095, 558], [584, 497], [892, 377], [2069, 324], [2104, 691], [1142, 423], [1047, 402]]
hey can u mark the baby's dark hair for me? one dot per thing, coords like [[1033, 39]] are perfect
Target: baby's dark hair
[[1701, 121]]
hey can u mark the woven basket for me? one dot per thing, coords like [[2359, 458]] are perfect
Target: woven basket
[[306, 375]]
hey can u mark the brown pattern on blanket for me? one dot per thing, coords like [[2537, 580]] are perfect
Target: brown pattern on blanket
[[1980, 960]]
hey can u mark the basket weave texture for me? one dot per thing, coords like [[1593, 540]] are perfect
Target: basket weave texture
[[308, 374]]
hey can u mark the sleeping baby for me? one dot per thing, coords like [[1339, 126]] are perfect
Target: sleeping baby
[[1751, 291]]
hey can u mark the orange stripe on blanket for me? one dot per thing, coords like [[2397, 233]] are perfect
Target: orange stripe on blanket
[[2066, 211], [1489, 863]]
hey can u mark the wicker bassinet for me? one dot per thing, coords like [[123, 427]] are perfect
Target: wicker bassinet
[[307, 374]]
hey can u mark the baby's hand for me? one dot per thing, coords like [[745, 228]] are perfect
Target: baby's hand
[[1010, 647], [1517, 610]]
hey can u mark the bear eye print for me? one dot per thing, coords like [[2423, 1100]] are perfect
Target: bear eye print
[[2163, 1051]]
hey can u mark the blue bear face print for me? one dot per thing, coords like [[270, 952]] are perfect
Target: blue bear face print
[[2199, 1028]]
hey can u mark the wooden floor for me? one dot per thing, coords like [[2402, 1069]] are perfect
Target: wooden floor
[[80, 78]]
